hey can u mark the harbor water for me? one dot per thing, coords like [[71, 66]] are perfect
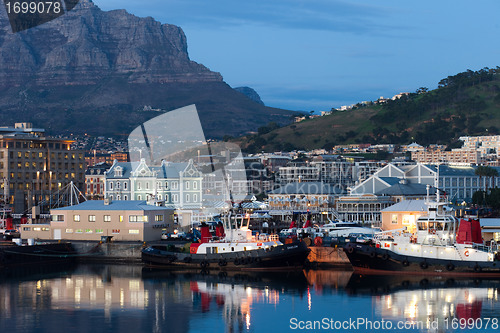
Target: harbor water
[[130, 298]]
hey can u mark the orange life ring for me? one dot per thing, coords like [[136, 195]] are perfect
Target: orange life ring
[[466, 253], [318, 241], [432, 231]]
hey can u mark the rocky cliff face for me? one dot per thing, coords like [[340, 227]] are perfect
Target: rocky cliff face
[[86, 45], [103, 73]]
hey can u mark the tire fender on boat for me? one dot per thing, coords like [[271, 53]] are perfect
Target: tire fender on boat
[[350, 249], [258, 260], [373, 254], [450, 267], [385, 256], [237, 261], [477, 268], [222, 262], [405, 263], [204, 264], [187, 259], [424, 265]]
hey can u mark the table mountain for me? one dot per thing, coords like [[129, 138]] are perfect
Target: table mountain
[[107, 72]]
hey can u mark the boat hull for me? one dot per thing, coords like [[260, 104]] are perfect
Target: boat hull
[[286, 257], [369, 259], [12, 255]]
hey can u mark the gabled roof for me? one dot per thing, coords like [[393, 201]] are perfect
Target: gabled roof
[[405, 189], [127, 169], [407, 206]]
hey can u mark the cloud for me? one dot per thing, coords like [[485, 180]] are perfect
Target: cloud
[[325, 15]]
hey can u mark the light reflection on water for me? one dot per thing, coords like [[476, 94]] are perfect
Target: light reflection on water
[[111, 298]]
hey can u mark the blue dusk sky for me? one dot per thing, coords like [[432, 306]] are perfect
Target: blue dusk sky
[[318, 54]]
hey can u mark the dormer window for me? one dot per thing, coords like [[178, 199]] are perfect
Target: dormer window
[[118, 171]]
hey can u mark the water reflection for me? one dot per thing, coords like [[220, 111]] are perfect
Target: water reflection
[[439, 304], [110, 298]]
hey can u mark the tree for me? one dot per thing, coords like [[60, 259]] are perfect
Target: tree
[[486, 171]]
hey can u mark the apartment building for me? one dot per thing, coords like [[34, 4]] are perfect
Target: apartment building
[[34, 166]]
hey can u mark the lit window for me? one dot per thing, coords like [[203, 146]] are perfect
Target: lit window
[[91, 218], [107, 218], [76, 218], [133, 231], [69, 231]]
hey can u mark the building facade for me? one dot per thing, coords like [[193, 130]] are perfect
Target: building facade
[[34, 167], [95, 180], [179, 185], [91, 220]]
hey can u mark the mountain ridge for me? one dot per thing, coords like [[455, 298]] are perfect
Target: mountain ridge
[[93, 71]]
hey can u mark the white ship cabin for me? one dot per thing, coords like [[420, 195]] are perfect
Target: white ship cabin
[[233, 235], [438, 227]]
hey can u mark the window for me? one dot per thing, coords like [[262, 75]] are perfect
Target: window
[[115, 231], [69, 231], [91, 218], [166, 185], [139, 197], [174, 185], [187, 185], [195, 197], [88, 231], [99, 231], [125, 186], [121, 218], [195, 185], [147, 185], [133, 231], [117, 185], [125, 197], [175, 198], [166, 197], [107, 218], [79, 231], [138, 185], [76, 218], [110, 185], [394, 219], [158, 218], [138, 218], [57, 218], [188, 197], [118, 197]]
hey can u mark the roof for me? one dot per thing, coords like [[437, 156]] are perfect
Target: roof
[[390, 180], [114, 205], [404, 189], [489, 223], [307, 188], [407, 206], [127, 169]]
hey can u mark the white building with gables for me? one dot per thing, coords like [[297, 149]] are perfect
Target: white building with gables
[[179, 185]]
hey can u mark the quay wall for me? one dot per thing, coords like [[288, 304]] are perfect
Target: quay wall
[[108, 252], [320, 257], [323, 257]]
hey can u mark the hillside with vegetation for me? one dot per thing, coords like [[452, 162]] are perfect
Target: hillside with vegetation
[[467, 103]]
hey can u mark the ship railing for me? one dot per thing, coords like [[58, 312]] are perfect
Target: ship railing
[[390, 234]]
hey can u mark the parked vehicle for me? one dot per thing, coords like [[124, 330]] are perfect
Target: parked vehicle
[[11, 234]]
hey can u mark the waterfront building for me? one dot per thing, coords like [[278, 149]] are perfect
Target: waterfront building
[[362, 208], [34, 166], [95, 180], [404, 214], [131, 220], [179, 185], [458, 182], [311, 197], [485, 144]]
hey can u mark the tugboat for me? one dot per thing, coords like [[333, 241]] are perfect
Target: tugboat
[[235, 250], [441, 246]]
